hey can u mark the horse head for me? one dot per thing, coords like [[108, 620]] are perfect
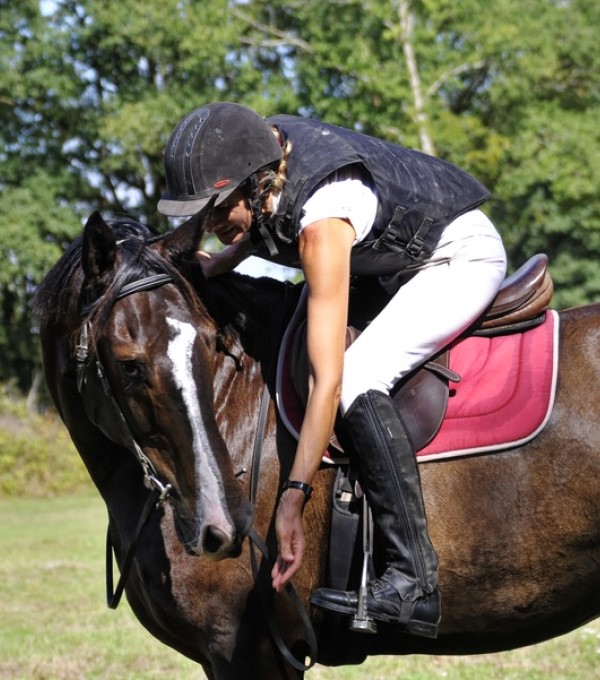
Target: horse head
[[147, 376]]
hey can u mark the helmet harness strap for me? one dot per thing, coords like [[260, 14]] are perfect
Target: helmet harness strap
[[258, 216]]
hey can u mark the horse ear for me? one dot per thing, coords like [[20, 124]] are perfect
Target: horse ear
[[183, 241], [99, 247]]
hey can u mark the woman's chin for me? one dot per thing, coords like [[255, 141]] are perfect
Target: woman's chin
[[231, 237]]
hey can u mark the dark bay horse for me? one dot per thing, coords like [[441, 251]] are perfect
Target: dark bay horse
[[140, 351]]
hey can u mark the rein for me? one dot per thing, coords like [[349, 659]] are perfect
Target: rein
[[255, 540], [159, 492]]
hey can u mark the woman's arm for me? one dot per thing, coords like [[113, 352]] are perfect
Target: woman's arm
[[325, 254], [225, 260]]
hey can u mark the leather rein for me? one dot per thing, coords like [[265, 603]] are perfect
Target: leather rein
[[159, 492]]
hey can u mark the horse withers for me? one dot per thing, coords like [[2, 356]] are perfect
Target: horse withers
[[160, 377]]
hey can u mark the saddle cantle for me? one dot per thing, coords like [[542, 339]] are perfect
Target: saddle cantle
[[422, 398], [523, 297]]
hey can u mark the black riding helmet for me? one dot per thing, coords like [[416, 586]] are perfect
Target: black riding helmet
[[211, 152]]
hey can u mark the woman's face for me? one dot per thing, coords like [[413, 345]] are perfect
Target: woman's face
[[232, 219]]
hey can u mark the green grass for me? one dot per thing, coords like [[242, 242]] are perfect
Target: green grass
[[54, 623]]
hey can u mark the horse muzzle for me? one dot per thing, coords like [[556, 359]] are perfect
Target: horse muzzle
[[215, 537]]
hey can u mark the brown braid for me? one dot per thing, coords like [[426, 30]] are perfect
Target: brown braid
[[272, 180]]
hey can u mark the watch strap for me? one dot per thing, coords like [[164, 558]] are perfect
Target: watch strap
[[301, 486]]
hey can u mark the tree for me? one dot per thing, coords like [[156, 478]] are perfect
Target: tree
[[510, 94], [91, 89], [547, 190], [90, 92], [34, 212]]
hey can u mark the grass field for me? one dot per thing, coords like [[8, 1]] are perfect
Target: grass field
[[54, 624]]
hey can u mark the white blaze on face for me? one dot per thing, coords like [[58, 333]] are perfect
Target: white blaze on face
[[179, 352]]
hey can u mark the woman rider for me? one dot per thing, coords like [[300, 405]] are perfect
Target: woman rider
[[338, 203]]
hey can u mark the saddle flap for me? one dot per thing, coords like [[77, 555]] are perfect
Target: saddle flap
[[421, 399]]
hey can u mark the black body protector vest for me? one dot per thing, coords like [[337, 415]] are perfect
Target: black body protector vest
[[418, 196]]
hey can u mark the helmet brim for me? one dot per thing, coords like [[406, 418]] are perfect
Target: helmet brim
[[187, 208], [182, 208]]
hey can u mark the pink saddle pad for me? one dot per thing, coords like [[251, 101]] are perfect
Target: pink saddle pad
[[504, 398], [506, 393]]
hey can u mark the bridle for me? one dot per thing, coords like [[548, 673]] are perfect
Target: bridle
[[81, 358], [160, 492]]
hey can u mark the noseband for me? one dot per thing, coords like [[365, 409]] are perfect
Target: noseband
[[160, 492], [82, 356]]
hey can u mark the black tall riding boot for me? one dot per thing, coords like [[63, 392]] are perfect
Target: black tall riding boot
[[407, 593]]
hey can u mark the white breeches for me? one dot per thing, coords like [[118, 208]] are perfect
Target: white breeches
[[430, 310]]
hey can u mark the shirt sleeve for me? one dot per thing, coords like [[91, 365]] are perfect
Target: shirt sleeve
[[346, 196]]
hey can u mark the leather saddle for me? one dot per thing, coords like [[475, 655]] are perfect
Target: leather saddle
[[422, 397]]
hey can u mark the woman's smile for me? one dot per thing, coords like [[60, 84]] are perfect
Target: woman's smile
[[231, 220], [227, 232]]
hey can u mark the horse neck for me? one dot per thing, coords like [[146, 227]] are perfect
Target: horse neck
[[252, 315], [253, 310]]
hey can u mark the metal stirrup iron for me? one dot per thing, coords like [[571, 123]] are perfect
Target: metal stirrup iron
[[361, 622]]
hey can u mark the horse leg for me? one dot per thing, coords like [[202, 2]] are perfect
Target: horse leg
[[269, 666]]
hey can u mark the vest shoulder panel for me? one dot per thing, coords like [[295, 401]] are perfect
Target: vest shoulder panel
[[418, 194]]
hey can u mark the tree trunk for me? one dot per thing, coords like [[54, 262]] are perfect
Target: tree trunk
[[407, 23], [33, 396]]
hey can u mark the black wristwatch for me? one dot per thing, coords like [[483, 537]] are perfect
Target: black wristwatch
[[301, 486]]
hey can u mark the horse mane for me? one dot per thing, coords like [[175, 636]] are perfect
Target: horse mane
[[246, 306], [64, 289]]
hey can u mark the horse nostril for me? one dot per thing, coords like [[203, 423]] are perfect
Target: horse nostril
[[215, 540]]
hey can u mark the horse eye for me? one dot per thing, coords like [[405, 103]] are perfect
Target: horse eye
[[131, 369]]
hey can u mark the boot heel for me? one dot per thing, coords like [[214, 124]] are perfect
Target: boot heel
[[426, 617], [422, 628]]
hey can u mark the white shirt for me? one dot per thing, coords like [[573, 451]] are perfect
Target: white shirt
[[344, 194]]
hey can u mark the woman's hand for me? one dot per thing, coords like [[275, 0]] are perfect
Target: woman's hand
[[209, 263], [290, 537], [225, 260]]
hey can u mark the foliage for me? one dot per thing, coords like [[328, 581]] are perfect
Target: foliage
[[37, 457], [90, 90], [511, 94]]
